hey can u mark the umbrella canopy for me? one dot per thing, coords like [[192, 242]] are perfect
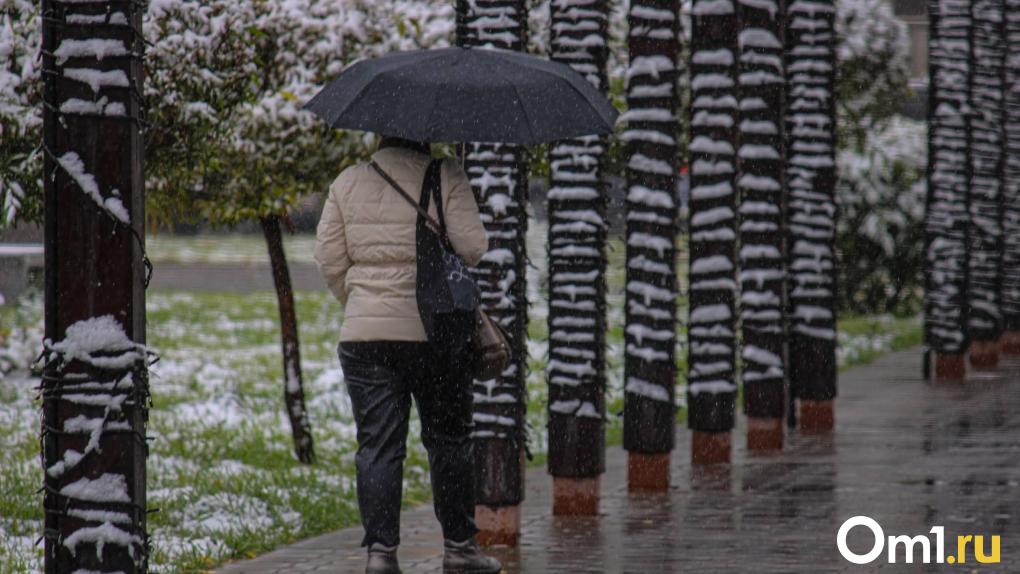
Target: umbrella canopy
[[465, 95]]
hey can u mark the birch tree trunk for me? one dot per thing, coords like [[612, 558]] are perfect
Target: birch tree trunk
[[499, 178], [760, 178], [811, 206], [984, 315], [946, 219], [711, 331], [293, 383], [95, 393], [577, 259], [651, 136]]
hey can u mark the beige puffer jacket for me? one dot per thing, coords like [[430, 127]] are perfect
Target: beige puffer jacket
[[365, 244]]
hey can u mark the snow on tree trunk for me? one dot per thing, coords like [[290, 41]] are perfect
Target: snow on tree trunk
[[577, 258], [293, 386], [499, 178], [760, 166], [810, 204], [946, 219], [711, 330], [984, 316], [1011, 177], [95, 394], [651, 285]]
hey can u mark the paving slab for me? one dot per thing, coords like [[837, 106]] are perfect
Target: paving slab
[[909, 454]]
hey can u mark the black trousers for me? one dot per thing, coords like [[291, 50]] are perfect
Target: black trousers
[[381, 378]]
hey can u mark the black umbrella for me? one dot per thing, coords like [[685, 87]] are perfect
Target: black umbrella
[[465, 95]]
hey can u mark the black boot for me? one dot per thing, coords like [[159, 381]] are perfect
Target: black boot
[[382, 560], [467, 558]]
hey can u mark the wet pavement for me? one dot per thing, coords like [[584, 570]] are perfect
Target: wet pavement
[[906, 453]]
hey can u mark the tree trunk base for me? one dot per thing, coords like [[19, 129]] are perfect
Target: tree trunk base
[[576, 496], [817, 417], [648, 472], [950, 368], [498, 525], [764, 435], [710, 447], [1010, 343], [984, 355]]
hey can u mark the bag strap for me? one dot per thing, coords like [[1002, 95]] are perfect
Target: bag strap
[[434, 183], [436, 226]]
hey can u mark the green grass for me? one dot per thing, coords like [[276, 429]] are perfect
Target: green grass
[[864, 339]]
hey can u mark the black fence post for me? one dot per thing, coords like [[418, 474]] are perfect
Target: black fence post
[[811, 208], [95, 388], [1011, 186], [578, 223], [712, 320], [499, 178], [948, 174], [984, 202], [761, 85], [651, 136]]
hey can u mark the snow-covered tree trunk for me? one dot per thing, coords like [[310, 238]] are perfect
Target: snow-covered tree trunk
[[810, 204], [577, 259], [651, 291], [293, 384], [1011, 181], [499, 178], [95, 384], [946, 219], [760, 167], [986, 135], [711, 331]]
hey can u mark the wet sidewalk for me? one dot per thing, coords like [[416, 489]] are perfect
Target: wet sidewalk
[[908, 454]]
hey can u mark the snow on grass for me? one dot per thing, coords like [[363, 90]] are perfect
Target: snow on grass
[[221, 471]]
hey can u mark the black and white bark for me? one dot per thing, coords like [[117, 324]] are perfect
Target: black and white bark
[[499, 178], [810, 205], [761, 82], [986, 138], [651, 222], [1011, 173], [577, 260], [95, 380], [946, 219], [712, 324]]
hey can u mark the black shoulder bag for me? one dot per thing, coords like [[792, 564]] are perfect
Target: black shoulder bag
[[448, 296]]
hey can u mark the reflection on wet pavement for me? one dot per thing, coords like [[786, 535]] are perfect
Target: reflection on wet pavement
[[908, 454]]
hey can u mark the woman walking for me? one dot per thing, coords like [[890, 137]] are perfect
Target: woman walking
[[366, 250]]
